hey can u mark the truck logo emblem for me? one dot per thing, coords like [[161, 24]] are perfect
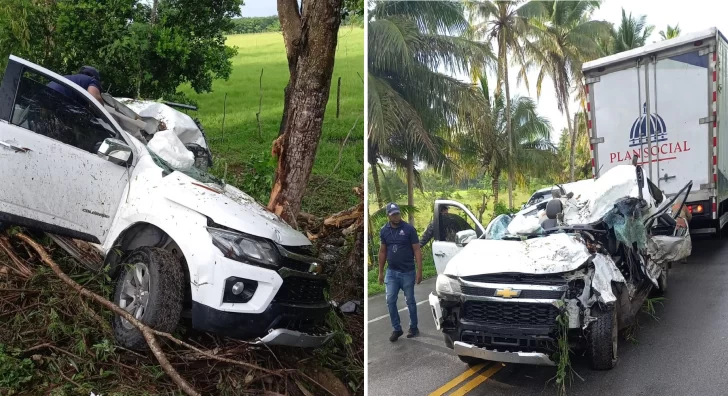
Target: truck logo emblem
[[507, 293], [658, 129]]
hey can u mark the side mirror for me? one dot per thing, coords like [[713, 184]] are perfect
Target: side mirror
[[115, 150], [464, 237]]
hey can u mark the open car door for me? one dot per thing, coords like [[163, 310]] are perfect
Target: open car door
[[53, 174], [445, 247]]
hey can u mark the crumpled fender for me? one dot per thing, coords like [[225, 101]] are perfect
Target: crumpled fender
[[605, 272]]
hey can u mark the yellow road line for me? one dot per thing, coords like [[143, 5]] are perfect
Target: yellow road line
[[478, 380], [457, 380]]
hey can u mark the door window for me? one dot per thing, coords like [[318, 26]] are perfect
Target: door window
[[453, 220], [46, 111]]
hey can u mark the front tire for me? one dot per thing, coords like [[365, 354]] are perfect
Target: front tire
[[150, 287], [603, 340]]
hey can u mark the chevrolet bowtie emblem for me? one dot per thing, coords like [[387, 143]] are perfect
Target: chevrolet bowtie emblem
[[507, 293]]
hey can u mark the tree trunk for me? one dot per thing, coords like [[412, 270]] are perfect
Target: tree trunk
[[372, 153], [572, 136], [310, 41], [411, 187], [509, 129], [377, 187]]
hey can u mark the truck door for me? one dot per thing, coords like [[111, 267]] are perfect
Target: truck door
[[444, 246], [681, 126], [51, 177], [657, 111]]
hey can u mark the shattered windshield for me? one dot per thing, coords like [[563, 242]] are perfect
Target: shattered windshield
[[200, 176]]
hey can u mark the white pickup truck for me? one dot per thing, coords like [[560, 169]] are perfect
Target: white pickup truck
[[576, 267], [177, 242]]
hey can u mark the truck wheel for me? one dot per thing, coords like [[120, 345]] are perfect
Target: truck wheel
[[150, 287], [603, 340], [469, 360]]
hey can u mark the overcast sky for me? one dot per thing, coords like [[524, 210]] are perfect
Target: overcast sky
[[259, 8], [693, 16]]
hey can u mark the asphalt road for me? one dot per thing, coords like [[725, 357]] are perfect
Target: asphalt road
[[685, 352]]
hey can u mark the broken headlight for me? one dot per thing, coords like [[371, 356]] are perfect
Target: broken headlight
[[446, 284], [240, 247]]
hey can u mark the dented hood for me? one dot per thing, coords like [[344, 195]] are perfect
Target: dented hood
[[552, 254], [231, 208]]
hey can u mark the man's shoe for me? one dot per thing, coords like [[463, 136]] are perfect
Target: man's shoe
[[413, 333], [395, 335]]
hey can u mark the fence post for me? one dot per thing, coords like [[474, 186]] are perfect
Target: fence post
[[338, 97]]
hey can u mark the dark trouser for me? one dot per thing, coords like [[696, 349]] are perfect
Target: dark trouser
[[394, 281]]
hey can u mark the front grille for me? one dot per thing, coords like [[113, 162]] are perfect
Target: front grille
[[520, 279], [488, 292], [295, 264], [301, 290], [510, 313], [305, 250]]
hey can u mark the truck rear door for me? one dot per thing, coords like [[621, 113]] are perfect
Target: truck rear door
[[656, 110]]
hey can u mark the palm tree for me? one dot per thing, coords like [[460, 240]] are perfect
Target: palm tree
[[672, 32], [532, 154], [508, 23], [565, 38], [631, 33], [411, 100], [582, 153]]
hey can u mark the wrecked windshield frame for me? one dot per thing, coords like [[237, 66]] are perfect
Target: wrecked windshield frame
[[192, 172]]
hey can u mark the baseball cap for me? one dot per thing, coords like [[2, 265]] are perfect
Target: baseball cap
[[91, 72], [392, 208]]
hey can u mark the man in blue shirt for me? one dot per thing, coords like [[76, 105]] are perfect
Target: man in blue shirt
[[400, 248], [87, 78]]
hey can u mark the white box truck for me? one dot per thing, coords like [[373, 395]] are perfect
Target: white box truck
[[662, 106]]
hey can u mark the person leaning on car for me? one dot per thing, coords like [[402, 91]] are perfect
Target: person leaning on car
[[87, 78], [400, 249], [450, 225]]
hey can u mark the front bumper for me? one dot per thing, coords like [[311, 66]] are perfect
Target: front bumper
[[295, 338], [299, 325], [537, 358]]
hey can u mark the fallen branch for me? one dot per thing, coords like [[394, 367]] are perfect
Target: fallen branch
[[116, 309], [18, 266], [147, 331], [50, 346]]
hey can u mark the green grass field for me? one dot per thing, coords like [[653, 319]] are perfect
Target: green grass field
[[424, 204], [249, 163]]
